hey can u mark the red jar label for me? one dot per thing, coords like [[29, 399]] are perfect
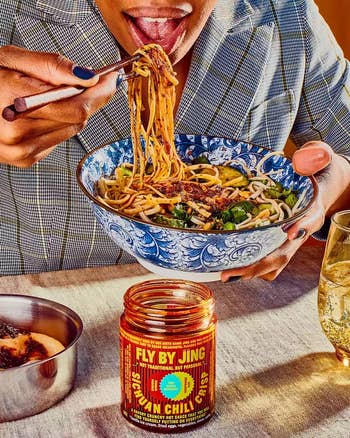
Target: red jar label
[[168, 384]]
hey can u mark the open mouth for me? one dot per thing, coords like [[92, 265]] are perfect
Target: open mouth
[[164, 27]]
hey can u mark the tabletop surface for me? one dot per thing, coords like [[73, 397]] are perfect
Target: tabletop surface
[[276, 372]]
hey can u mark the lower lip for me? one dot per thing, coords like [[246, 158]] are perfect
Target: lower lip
[[169, 44]]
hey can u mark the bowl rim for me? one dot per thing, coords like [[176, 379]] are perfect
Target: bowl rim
[[288, 221], [62, 309]]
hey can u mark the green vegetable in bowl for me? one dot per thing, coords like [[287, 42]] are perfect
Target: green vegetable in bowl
[[286, 192], [232, 177], [180, 212], [275, 192], [125, 171], [265, 206], [291, 200], [279, 192], [229, 226], [247, 206], [234, 214], [202, 159], [170, 222]]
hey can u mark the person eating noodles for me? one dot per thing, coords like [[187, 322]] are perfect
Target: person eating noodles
[[259, 72]]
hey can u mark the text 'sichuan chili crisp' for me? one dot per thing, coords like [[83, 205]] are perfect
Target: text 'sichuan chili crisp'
[[167, 354]]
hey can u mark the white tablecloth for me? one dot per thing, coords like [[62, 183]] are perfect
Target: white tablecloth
[[277, 375]]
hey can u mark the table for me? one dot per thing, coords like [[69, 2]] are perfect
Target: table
[[276, 372]]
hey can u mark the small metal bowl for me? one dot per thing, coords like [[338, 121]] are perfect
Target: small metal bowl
[[34, 387]]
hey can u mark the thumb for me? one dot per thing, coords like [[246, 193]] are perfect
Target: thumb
[[310, 223], [312, 158], [51, 68]]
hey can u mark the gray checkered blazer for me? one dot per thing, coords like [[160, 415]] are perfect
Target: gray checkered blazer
[[262, 70]]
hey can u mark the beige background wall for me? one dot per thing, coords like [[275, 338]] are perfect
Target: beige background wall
[[337, 15]]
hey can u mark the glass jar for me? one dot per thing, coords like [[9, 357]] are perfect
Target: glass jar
[[167, 354]]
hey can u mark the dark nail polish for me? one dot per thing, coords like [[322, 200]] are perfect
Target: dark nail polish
[[83, 73], [119, 80], [285, 228], [233, 279], [301, 234]]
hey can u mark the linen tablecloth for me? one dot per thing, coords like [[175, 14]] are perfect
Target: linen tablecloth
[[277, 375]]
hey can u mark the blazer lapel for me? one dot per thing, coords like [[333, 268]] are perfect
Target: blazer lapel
[[225, 73], [80, 34]]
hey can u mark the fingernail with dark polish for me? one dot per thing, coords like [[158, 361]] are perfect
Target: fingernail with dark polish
[[285, 228], [83, 72], [233, 279], [119, 80], [301, 234]]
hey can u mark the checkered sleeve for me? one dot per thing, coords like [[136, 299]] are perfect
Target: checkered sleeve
[[324, 111], [7, 12]]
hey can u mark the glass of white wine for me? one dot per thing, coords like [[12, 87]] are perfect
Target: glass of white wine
[[334, 286]]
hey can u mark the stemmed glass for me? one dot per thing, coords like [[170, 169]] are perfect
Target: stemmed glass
[[334, 286]]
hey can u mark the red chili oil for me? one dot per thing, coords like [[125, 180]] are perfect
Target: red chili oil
[[167, 355]]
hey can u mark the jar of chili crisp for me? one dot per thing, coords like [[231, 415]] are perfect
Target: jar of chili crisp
[[167, 355]]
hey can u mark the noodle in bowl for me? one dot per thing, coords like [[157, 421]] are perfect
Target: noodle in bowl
[[191, 253]]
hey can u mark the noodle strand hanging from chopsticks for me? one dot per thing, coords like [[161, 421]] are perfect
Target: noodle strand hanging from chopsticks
[[158, 136]]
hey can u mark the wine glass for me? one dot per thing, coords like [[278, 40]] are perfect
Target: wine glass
[[334, 286]]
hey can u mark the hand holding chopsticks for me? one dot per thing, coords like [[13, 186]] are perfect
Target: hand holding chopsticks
[[31, 126], [26, 103]]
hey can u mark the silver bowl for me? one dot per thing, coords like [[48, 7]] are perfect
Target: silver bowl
[[34, 387]]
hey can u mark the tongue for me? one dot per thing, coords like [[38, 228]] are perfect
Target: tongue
[[156, 30]]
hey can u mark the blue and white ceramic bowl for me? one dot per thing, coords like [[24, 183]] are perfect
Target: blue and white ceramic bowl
[[185, 253]]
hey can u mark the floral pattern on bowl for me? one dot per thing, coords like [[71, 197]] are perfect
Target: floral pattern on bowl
[[189, 250]]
